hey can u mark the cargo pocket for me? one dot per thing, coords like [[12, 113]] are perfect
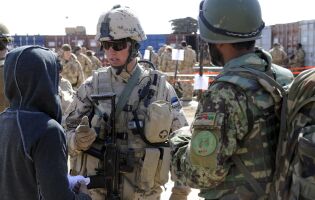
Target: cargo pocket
[[163, 168], [303, 171], [149, 168]]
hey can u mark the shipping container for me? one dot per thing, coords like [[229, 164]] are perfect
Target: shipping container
[[265, 41], [21, 40], [307, 39], [156, 41], [288, 35]]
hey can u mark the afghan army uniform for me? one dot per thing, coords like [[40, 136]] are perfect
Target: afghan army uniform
[[186, 67], [282, 75], [279, 56], [235, 121], [298, 58], [150, 166], [72, 71]]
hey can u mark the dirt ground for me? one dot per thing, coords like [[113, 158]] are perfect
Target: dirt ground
[[189, 109]]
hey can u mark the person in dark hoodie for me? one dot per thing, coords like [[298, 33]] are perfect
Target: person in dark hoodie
[[33, 150]]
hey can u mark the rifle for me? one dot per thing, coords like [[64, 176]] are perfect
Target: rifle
[[200, 68], [178, 88], [109, 154]]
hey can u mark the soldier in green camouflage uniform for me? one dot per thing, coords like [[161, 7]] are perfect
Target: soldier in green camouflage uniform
[[71, 68], [5, 39], [228, 152], [295, 176], [142, 127]]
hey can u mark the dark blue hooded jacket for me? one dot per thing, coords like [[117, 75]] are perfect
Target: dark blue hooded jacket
[[33, 153]]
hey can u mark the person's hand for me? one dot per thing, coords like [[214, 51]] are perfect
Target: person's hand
[[84, 135], [80, 187]]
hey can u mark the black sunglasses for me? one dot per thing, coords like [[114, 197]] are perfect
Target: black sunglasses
[[117, 45]]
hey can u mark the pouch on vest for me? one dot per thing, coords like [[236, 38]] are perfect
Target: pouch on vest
[[303, 177], [161, 176], [149, 167], [158, 122]]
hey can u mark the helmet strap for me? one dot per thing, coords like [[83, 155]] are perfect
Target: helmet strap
[[133, 53]]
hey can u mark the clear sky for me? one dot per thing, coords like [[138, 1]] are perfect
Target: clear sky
[[51, 17]]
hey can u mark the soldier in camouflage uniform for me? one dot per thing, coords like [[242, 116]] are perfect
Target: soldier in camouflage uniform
[[295, 172], [152, 110], [153, 57], [228, 152], [84, 60], [186, 67], [96, 63], [279, 56], [71, 68], [168, 65], [297, 60], [5, 39], [66, 93]]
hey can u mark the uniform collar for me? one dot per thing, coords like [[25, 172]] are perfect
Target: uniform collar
[[124, 75], [253, 60]]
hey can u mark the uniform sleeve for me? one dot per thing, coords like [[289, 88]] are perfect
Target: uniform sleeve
[[50, 161], [179, 118], [80, 106], [221, 120], [80, 74]]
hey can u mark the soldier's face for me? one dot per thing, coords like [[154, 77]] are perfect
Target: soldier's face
[[67, 55], [216, 55], [119, 57]]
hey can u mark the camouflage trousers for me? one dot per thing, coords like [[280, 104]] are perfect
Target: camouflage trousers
[[187, 89]]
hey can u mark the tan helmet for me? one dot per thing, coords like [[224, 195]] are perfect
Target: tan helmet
[[230, 21], [119, 23], [150, 48], [4, 34]]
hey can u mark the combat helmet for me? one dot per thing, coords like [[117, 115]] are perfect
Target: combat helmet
[[230, 21], [118, 23], [4, 36]]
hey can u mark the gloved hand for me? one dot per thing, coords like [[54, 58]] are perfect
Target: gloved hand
[[84, 135]]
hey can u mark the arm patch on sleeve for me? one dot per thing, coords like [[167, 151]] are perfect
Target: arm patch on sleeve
[[204, 143]]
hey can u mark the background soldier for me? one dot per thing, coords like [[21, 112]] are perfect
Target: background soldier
[[71, 68], [235, 126], [5, 39], [143, 123], [84, 60], [96, 63], [186, 67], [279, 56], [297, 60]]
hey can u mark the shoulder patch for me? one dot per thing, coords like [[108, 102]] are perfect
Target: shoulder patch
[[204, 143]]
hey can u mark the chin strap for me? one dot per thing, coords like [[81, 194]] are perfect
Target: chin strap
[[133, 53]]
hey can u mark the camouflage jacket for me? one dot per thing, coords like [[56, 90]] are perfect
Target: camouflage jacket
[[72, 71], [235, 117], [83, 105], [86, 64]]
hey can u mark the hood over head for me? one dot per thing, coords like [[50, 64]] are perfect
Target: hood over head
[[32, 79]]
